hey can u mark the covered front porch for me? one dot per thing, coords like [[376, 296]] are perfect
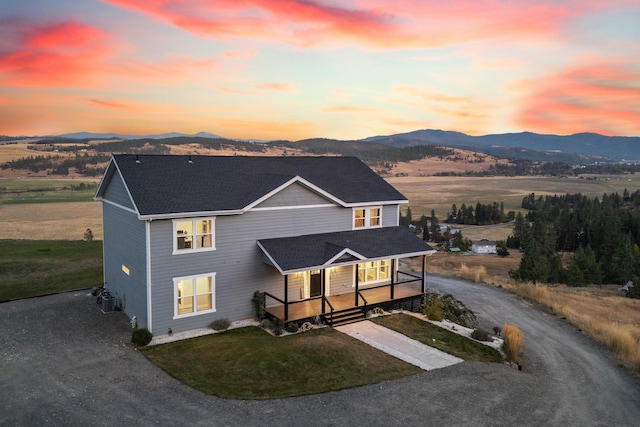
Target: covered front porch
[[341, 276]]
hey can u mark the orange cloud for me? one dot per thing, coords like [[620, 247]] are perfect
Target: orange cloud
[[601, 98], [54, 55]]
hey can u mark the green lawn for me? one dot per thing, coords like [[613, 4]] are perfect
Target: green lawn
[[248, 363], [38, 267], [437, 337], [45, 191]]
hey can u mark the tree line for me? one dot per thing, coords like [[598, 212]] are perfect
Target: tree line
[[602, 235]]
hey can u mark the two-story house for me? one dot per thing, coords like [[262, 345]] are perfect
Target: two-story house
[[189, 239]]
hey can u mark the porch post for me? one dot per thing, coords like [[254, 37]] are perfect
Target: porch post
[[322, 278], [286, 297], [424, 274], [356, 285], [393, 277]]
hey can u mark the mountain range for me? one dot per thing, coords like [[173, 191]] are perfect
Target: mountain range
[[572, 149]]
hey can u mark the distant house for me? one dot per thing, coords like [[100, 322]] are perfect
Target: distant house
[[190, 239], [484, 246]]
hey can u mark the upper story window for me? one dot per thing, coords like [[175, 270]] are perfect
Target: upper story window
[[190, 235], [367, 217]]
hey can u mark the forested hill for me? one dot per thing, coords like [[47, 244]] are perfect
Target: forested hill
[[526, 145]]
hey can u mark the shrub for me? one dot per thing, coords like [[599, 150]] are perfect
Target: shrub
[[306, 326], [141, 337], [512, 343], [259, 303], [220, 324], [497, 330], [432, 306], [277, 326], [480, 335], [292, 327], [266, 324], [456, 312]]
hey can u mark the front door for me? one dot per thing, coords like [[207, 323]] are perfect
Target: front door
[[315, 284]]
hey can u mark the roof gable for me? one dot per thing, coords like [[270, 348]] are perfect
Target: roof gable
[[169, 186]]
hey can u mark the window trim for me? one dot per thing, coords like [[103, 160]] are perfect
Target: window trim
[[377, 267], [194, 277], [367, 217], [194, 221]]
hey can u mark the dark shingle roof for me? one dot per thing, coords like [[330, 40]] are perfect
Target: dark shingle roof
[[299, 253], [166, 184]]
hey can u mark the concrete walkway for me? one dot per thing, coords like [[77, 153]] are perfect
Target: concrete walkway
[[398, 345]]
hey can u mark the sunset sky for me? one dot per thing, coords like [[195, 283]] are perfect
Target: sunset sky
[[340, 69]]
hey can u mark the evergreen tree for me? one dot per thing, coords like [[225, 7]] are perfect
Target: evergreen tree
[[533, 265]]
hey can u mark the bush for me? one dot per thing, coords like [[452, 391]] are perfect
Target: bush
[[481, 335], [220, 324], [433, 307], [438, 307], [141, 337], [292, 327], [512, 343], [456, 312], [259, 304], [266, 324], [277, 327]]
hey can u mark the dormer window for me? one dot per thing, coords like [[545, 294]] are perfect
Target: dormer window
[[367, 217], [193, 235]]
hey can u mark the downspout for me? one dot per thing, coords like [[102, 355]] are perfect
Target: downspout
[[149, 299]]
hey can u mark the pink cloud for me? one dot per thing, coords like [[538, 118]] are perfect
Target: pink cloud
[[380, 24], [109, 104], [601, 98], [348, 109], [54, 55]]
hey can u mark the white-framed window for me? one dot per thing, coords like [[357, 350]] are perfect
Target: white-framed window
[[193, 235], [369, 217], [374, 271], [194, 295]]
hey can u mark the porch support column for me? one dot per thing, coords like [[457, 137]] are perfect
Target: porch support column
[[286, 297], [323, 276], [356, 285], [424, 274], [393, 277]]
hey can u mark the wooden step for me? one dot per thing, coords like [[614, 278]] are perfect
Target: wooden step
[[344, 317]]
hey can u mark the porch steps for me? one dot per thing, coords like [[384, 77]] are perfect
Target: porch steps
[[344, 317]]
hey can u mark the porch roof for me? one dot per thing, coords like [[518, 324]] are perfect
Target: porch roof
[[316, 251]]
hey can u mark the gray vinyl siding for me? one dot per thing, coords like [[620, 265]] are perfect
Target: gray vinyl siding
[[390, 215], [116, 192], [342, 280], [124, 244], [296, 287], [294, 195], [237, 262]]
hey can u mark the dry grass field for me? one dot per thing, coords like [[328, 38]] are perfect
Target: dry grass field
[[50, 221], [439, 193]]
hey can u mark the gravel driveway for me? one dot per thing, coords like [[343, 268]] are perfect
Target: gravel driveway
[[62, 362]]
